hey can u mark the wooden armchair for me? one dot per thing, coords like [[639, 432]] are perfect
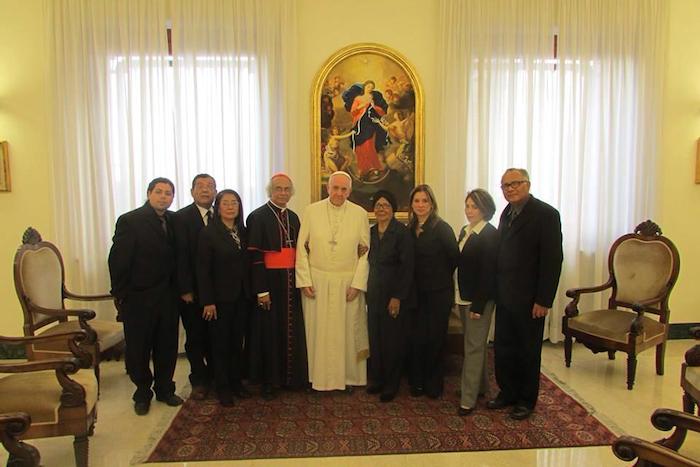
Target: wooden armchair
[[57, 398], [659, 453], [12, 426], [643, 269], [690, 375], [40, 285]]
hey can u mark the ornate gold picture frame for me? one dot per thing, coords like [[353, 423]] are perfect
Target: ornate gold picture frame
[[367, 120], [5, 183]]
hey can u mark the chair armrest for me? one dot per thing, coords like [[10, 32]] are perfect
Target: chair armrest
[[628, 448], [74, 340], [67, 364], [84, 298], [667, 419], [82, 314], [575, 292], [571, 309]]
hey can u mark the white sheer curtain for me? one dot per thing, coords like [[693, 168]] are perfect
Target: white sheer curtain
[[568, 89], [131, 105]]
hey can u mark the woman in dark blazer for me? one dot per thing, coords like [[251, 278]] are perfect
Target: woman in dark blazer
[[390, 297], [475, 293], [223, 279], [436, 255]]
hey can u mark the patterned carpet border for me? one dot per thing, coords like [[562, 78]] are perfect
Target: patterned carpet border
[[301, 424]]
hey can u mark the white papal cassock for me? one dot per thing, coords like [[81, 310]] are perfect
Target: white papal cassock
[[336, 330]]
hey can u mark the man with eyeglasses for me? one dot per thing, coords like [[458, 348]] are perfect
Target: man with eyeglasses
[[528, 268], [278, 341]]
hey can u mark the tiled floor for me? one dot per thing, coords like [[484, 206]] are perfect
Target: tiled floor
[[120, 436]]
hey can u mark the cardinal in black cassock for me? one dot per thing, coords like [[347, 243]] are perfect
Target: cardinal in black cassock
[[278, 341]]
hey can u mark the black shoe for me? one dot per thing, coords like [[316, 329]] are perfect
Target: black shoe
[[498, 403], [199, 393], [520, 412], [242, 392], [142, 408], [374, 389], [434, 394], [464, 411], [416, 391], [267, 392], [226, 400], [173, 400], [349, 390], [387, 397]]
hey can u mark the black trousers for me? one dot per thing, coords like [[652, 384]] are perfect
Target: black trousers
[[388, 345], [428, 339], [197, 345], [151, 332], [227, 333], [518, 352]]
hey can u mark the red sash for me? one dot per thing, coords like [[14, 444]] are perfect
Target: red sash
[[284, 259]]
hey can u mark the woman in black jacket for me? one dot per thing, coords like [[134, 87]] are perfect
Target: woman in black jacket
[[475, 293], [436, 255], [223, 277], [390, 297]]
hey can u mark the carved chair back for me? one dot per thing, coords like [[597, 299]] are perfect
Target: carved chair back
[[39, 280], [644, 267]]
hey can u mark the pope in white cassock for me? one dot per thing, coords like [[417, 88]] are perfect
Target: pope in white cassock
[[333, 281]]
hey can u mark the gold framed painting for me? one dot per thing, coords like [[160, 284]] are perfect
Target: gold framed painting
[[367, 120], [5, 184]]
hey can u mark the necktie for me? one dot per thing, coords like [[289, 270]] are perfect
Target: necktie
[[513, 215], [207, 217], [164, 225]]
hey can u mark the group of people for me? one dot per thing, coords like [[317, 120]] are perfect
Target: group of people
[[329, 303]]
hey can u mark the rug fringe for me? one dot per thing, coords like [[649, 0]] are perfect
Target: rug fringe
[[141, 456], [602, 418]]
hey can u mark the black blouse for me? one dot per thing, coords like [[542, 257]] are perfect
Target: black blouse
[[436, 256], [390, 266]]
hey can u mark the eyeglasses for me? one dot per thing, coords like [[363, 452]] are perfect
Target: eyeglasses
[[515, 184], [382, 206]]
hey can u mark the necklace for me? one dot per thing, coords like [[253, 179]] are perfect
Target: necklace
[[335, 222], [287, 236]]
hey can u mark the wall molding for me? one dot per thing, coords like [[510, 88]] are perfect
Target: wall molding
[[681, 330]]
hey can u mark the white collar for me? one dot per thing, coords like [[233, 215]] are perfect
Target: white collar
[[275, 205], [202, 211]]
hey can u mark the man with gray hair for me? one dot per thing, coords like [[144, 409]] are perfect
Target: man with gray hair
[[333, 280], [278, 341], [528, 268]]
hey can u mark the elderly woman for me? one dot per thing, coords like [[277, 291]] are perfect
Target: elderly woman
[[475, 292], [389, 297], [436, 255], [224, 289]]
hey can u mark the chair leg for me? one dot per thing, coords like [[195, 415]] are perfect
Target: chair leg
[[80, 449], [611, 355], [688, 403], [567, 350], [660, 353], [631, 370]]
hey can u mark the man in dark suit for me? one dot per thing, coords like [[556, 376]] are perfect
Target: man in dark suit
[[528, 269], [142, 269], [188, 223]]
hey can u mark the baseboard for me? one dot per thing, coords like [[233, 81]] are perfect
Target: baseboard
[[681, 330], [12, 352]]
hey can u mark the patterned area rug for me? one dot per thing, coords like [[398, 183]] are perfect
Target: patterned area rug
[[302, 424]]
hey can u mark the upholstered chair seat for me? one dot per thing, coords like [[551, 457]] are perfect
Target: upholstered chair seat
[[45, 400], [615, 325]]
